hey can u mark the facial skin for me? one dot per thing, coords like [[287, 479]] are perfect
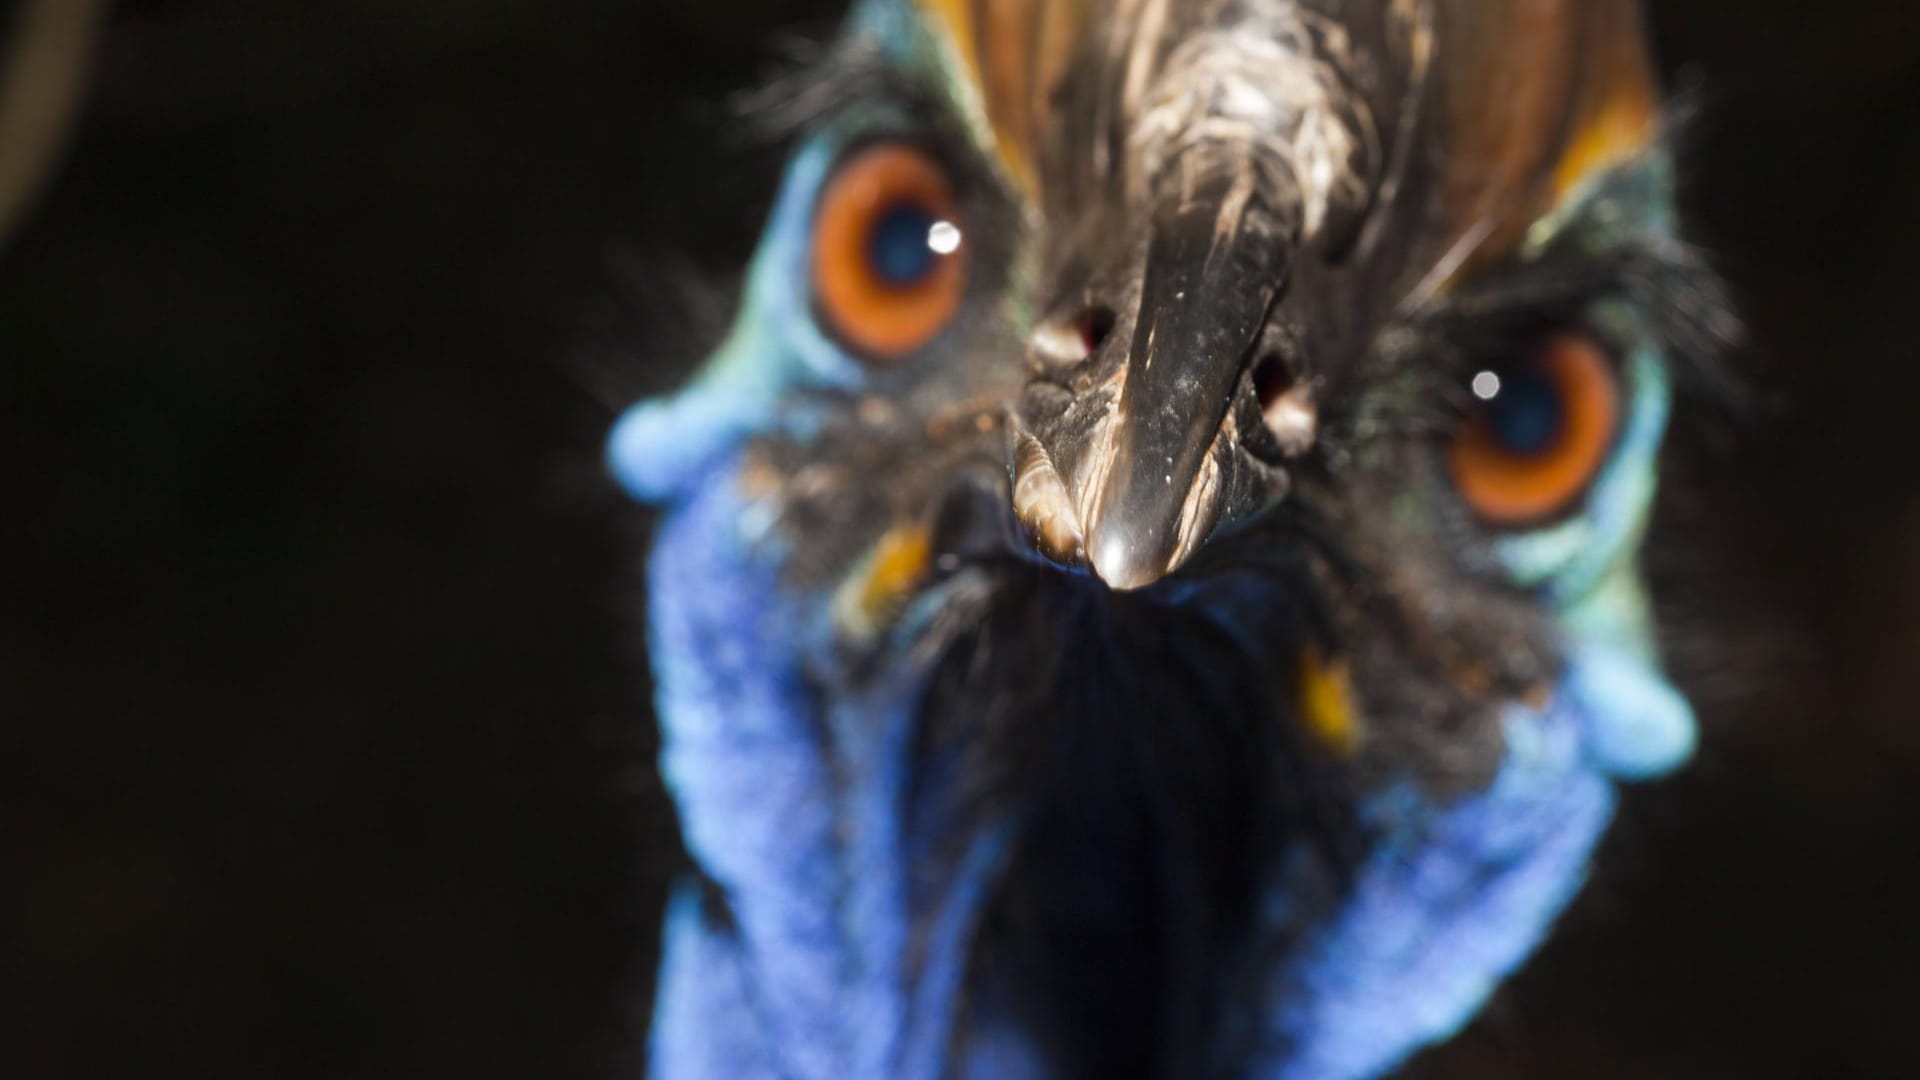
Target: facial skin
[[1149, 585]]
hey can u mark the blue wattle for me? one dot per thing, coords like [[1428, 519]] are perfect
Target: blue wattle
[[818, 962], [1452, 900], [821, 961]]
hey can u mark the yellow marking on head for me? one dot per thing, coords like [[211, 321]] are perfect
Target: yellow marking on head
[[1326, 702], [872, 597], [956, 16], [1617, 130], [1005, 42], [962, 41], [1008, 56], [1543, 96]]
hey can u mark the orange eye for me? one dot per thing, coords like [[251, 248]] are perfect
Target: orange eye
[[1539, 434], [889, 267]]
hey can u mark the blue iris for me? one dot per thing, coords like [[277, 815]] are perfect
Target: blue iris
[[898, 247], [1526, 416]]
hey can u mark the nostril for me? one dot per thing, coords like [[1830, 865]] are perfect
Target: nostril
[[1069, 340], [1271, 380], [1286, 404], [1095, 325]]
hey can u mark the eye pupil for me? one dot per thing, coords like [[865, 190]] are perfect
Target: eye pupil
[[901, 248], [1526, 413]]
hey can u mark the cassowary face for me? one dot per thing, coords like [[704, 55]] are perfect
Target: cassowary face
[[1151, 580]]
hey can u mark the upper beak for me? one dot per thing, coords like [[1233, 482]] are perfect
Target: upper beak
[[1131, 486]]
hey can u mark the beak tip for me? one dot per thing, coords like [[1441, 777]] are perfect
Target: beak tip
[[1123, 564]]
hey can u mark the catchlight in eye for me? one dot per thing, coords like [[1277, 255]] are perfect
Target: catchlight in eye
[[1538, 432], [889, 252]]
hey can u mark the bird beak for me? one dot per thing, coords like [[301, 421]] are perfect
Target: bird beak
[[1132, 479]]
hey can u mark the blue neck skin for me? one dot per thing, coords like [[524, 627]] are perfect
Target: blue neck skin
[[815, 966]]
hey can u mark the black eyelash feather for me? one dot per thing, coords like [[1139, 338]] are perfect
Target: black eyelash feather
[[1429, 358], [812, 80], [819, 80], [1688, 310], [819, 83], [1679, 297]]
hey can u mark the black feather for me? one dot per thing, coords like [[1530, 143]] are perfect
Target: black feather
[[1153, 755]]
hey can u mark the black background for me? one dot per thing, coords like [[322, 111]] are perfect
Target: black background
[[324, 749]]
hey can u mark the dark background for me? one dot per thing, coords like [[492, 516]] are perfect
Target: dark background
[[324, 749]]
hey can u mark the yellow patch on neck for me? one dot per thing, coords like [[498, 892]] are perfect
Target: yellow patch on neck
[[1326, 702], [868, 602]]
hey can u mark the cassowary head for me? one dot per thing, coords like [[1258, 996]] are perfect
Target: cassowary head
[[1149, 584]]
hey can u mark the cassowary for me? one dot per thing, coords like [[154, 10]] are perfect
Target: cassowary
[[1149, 585]]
